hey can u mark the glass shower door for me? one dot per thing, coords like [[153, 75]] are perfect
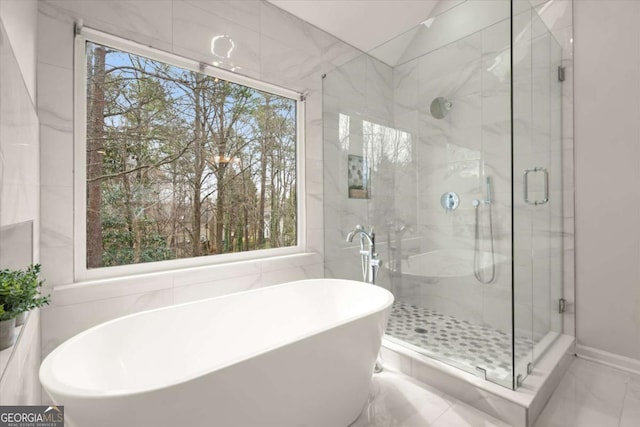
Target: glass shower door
[[537, 162]]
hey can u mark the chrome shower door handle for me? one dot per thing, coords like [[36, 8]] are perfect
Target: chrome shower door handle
[[525, 189], [546, 186]]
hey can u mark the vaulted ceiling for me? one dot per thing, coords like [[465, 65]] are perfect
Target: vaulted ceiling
[[364, 24]]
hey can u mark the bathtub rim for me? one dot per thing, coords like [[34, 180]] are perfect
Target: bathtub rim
[[46, 373]]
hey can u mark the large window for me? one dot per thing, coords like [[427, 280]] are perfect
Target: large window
[[182, 163]]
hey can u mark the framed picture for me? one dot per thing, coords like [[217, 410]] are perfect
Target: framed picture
[[358, 178]]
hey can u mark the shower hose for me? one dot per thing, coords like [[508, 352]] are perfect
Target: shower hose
[[477, 270]]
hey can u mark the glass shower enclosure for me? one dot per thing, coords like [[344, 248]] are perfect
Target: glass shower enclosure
[[446, 142]]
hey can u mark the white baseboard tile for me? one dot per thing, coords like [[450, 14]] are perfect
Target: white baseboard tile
[[610, 359]]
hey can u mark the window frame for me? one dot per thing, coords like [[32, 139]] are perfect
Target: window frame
[[81, 272]]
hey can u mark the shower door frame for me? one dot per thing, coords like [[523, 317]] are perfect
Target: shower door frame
[[537, 268]]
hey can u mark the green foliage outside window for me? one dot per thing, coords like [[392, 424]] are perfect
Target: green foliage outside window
[[181, 164]]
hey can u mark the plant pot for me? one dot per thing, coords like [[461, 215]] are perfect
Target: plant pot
[[7, 333], [20, 318]]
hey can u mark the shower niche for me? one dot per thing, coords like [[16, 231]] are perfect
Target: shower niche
[[447, 109]]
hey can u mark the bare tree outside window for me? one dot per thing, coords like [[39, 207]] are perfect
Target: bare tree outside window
[[182, 164]]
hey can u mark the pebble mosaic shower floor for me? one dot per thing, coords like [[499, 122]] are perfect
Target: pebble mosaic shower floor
[[458, 342]]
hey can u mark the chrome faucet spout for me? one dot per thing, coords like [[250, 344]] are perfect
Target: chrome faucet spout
[[369, 256], [358, 230]]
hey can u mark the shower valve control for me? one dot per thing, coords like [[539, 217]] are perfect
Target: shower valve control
[[450, 201]]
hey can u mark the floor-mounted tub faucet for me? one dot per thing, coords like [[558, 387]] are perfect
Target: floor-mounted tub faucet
[[369, 256], [370, 264]]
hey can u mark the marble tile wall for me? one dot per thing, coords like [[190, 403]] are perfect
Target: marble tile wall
[[357, 96], [449, 22], [455, 153], [19, 145], [272, 46], [19, 190], [20, 364], [20, 20], [16, 245], [452, 149]]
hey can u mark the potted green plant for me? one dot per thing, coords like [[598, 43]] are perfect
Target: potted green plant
[[28, 297], [7, 328], [8, 310], [19, 293]]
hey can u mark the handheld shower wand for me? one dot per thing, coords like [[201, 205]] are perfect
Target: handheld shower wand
[[476, 250]]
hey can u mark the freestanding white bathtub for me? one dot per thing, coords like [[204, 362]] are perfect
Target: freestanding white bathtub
[[297, 354]]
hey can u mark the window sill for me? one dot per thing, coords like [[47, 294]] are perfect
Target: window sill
[[145, 282]]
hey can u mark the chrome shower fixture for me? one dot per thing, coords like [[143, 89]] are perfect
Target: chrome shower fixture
[[440, 107], [450, 201], [477, 269], [370, 264], [369, 256], [487, 199]]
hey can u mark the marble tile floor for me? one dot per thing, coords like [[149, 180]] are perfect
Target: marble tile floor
[[589, 395], [594, 395], [396, 400]]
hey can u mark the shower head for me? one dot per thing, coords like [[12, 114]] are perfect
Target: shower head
[[440, 107]]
